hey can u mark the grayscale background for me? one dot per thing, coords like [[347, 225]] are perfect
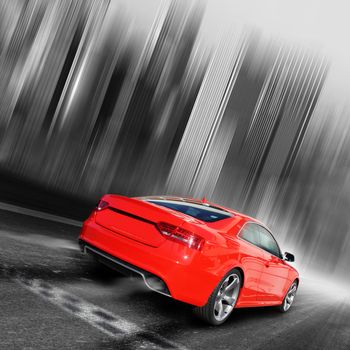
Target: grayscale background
[[245, 103]]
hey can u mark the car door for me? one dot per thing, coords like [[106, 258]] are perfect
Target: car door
[[252, 259], [274, 277]]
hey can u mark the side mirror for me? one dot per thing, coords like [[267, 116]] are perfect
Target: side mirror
[[288, 257]]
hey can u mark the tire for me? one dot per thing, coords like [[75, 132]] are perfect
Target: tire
[[289, 298], [211, 312]]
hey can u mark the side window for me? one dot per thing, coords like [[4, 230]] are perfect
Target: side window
[[268, 243], [250, 233]]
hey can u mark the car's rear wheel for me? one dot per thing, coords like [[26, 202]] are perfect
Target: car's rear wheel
[[223, 299], [289, 297]]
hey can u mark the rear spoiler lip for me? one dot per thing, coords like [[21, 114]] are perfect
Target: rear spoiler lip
[[180, 216], [134, 216]]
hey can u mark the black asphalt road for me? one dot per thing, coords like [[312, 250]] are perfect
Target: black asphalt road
[[53, 297]]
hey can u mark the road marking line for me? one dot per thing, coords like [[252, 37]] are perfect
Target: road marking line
[[39, 214], [105, 321]]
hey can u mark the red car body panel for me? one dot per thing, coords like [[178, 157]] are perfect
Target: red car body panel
[[127, 230]]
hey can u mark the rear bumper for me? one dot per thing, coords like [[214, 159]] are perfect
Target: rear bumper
[[152, 281], [187, 275]]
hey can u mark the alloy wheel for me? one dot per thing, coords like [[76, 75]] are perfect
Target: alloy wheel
[[226, 297], [288, 300]]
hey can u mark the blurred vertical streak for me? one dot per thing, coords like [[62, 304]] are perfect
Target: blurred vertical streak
[[105, 160], [16, 61], [206, 114], [81, 98], [148, 121], [298, 84], [317, 200]]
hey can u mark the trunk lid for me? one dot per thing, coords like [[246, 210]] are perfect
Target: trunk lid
[[136, 219]]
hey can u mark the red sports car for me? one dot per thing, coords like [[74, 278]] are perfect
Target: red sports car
[[194, 251]]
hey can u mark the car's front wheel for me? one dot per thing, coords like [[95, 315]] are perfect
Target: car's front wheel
[[223, 299], [289, 297]]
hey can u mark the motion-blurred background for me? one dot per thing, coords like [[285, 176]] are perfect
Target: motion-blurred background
[[245, 103]]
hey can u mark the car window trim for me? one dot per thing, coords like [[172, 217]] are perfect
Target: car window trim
[[263, 226]]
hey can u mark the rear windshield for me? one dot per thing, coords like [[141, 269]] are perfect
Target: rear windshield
[[198, 211]]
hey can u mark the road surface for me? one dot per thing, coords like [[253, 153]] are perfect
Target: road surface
[[53, 297]]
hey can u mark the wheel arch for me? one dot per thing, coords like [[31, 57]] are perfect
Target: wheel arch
[[241, 272], [235, 267]]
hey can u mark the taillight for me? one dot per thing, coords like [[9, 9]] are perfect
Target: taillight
[[102, 205], [181, 235]]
